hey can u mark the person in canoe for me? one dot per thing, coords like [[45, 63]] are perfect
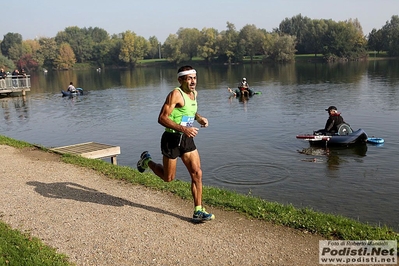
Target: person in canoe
[[333, 122], [242, 90], [244, 83], [71, 88]]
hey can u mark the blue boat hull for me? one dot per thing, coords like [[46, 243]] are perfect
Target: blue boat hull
[[356, 137], [79, 91]]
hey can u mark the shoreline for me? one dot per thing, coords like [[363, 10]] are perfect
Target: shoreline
[[95, 220]]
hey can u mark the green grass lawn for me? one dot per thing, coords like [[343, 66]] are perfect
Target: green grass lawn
[[20, 249]]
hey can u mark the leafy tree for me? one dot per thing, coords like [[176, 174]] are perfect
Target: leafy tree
[[65, 58], [15, 52], [133, 48], [172, 49], [27, 62], [208, 46], [267, 44], [314, 36], [281, 47], [112, 58], [98, 35], [6, 63], [343, 40], [251, 39], [391, 36], [80, 41], [142, 47], [31, 46], [296, 26], [26, 55], [47, 52], [127, 47], [10, 40], [154, 48], [101, 45], [376, 40], [101, 53], [190, 39], [228, 43]]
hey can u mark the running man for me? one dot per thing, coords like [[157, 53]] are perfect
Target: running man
[[177, 115]]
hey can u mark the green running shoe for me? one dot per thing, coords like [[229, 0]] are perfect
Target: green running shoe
[[142, 164], [202, 216]]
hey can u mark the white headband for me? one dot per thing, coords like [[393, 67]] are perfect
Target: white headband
[[186, 72]]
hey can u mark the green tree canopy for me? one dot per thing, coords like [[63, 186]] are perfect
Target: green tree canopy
[[80, 41], [208, 45], [10, 40], [6, 63], [65, 58], [133, 48], [296, 26], [391, 36], [228, 43], [172, 49], [47, 52], [190, 39], [251, 38], [154, 48]]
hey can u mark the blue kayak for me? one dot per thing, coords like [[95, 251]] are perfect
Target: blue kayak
[[79, 91], [355, 137], [375, 140]]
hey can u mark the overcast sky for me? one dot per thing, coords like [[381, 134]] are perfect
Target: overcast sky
[[44, 18]]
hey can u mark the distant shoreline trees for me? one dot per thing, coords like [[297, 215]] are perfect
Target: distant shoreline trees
[[336, 41]]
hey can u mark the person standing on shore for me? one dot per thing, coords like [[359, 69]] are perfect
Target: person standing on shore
[[3, 76], [177, 115], [15, 76]]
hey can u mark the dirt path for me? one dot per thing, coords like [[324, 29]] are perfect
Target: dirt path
[[98, 221]]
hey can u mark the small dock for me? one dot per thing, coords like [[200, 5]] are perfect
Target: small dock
[[15, 85], [91, 150]]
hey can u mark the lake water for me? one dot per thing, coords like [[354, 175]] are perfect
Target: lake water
[[250, 147]]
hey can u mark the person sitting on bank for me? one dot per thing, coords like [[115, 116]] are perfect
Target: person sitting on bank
[[71, 88], [334, 120]]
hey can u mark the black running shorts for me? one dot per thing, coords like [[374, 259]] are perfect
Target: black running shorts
[[174, 145]]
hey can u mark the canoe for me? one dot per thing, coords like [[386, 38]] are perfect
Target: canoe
[[243, 92], [355, 137], [79, 91]]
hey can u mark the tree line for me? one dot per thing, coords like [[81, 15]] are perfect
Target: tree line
[[342, 40]]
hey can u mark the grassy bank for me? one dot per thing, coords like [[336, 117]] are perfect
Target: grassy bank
[[326, 225], [18, 249]]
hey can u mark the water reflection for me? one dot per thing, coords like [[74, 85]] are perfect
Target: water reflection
[[316, 73], [15, 106], [333, 156]]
